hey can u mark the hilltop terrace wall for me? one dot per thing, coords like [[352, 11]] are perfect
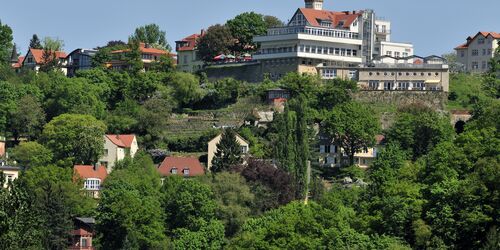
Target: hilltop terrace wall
[[434, 99]]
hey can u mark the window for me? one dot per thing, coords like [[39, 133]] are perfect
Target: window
[[388, 85], [480, 41], [185, 172], [418, 85], [173, 171], [244, 149], [147, 56], [373, 85], [354, 52], [462, 53], [84, 242], [329, 73], [475, 65], [484, 65], [327, 148], [352, 74], [403, 85], [489, 52], [185, 59], [389, 53], [475, 52], [405, 54], [397, 54], [92, 184], [484, 52], [106, 152]]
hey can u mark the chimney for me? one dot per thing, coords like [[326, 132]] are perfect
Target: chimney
[[95, 166], [314, 4], [202, 32]]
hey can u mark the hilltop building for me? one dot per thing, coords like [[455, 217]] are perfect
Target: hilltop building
[[149, 55], [476, 53], [408, 73], [188, 59], [314, 38], [116, 148], [79, 59], [34, 59], [333, 156], [181, 166], [93, 177], [213, 145]]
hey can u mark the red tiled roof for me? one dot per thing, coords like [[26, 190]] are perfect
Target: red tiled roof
[[418, 61], [495, 35], [181, 163], [88, 171], [19, 63], [313, 16], [38, 55], [191, 41], [124, 141]]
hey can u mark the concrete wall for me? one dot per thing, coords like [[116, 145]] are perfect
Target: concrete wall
[[433, 99], [249, 72]]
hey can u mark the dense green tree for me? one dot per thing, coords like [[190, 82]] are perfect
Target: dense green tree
[[35, 42], [217, 40], [129, 214], [75, 138], [50, 60], [31, 154], [57, 200], [272, 21], [151, 34], [134, 57], [27, 119], [20, 223], [335, 92], [190, 214], [353, 127], [418, 131], [10, 94], [244, 27], [153, 116], [234, 200], [5, 43], [73, 95], [186, 88], [228, 153]]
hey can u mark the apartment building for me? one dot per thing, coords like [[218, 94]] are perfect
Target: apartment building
[[476, 53], [79, 59], [188, 59], [315, 38], [409, 73]]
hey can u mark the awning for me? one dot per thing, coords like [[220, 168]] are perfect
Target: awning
[[432, 81]]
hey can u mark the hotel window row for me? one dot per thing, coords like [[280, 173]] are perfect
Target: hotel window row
[[401, 73], [403, 85]]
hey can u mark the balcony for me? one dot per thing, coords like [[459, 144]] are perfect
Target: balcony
[[308, 30]]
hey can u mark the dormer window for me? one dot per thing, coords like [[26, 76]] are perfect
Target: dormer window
[[173, 171], [341, 24], [185, 172], [325, 23]]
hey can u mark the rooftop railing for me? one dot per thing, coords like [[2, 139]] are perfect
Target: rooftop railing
[[315, 31]]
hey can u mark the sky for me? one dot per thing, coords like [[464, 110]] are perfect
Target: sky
[[432, 26]]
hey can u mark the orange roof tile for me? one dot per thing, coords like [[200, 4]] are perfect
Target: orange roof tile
[[191, 42], [88, 171], [485, 34], [379, 138], [313, 16], [38, 55], [181, 163], [123, 141]]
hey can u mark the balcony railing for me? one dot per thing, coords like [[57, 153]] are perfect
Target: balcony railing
[[315, 31]]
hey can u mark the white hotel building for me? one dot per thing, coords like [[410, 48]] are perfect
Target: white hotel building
[[330, 43]]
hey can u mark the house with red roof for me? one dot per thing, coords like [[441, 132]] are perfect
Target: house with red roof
[[116, 148], [475, 54], [149, 55], [82, 234], [188, 59], [182, 166], [329, 43], [92, 176], [35, 58]]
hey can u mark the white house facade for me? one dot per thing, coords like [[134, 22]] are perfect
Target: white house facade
[[476, 53]]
